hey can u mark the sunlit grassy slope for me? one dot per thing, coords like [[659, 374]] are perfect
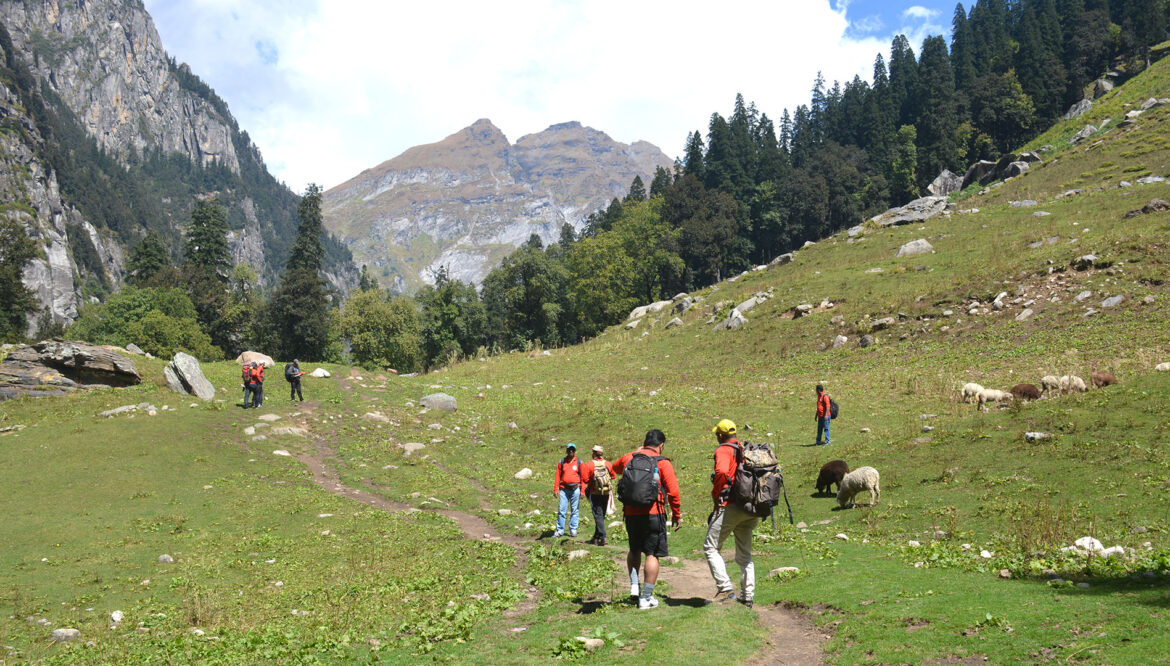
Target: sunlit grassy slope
[[91, 503]]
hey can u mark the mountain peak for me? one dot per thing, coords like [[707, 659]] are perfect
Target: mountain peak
[[483, 131]]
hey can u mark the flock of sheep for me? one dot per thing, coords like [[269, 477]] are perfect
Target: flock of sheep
[[1050, 385]]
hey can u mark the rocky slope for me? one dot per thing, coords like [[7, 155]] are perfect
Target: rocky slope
[[468, 200]]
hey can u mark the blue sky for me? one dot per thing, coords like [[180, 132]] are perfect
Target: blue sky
[[327, 88]]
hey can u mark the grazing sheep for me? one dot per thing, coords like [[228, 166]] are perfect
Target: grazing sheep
[[970, 390], [1162, 367], [1050, 383], [1026, 392], [832, 472], [993, 395], [862, 478], [1070, 383], [1101, 379]]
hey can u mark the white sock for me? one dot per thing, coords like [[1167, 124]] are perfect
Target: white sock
[[633, 576], [647, 590]]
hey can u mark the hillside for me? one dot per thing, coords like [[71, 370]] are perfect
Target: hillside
[[354, 547], [468, 200]]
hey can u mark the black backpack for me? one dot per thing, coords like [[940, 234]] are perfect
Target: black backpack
[[758, 484], [832, 408], [290, 372], [639, 485]]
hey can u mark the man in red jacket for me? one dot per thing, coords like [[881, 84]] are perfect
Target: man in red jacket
[[599, 487], [824, 414], [646, 525], [728, 518], [568, 490]]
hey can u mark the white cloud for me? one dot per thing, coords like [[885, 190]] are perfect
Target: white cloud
[[919, 12], [328, 88]]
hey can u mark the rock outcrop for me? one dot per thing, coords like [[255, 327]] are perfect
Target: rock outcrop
[[945, 183], [465, 202], [183, 375], [441, 401], [56, 367], [918, 210], [255, 357]]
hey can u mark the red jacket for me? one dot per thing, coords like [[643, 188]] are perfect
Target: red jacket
[[823, 406], [668, 482], [258, 374], [726, 455], [568, 471], [588, 469]]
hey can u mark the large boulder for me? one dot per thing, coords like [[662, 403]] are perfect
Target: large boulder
[[1016, 169], [56, 367], [255, 357], [1085, 133], [918, 210], [1078, 109], [442, 401], [734, 321], [981, 172], [786, 258], [945, 183], [188, 377], [920, 246], [1101, 87]]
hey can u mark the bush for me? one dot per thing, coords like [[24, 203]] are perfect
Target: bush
[[160, 321]]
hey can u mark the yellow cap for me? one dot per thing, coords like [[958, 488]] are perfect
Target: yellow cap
[[724, 427]]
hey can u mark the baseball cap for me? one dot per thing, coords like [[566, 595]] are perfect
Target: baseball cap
[[571, 445], [724, 427]]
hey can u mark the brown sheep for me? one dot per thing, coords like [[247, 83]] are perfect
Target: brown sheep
[[832, 472], [1026, 392], [1101, 379]]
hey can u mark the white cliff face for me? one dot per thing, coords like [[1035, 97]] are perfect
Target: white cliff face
[[466, 202], [106, 61]]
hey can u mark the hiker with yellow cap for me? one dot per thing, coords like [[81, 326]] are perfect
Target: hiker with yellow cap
[[729, 518]]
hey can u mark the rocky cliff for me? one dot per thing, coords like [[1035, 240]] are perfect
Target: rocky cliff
[[468, 200]]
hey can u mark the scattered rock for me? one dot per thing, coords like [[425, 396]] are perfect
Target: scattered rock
[[578, 554], [184, 375], [410, 447], [786, 258], [915, 247], [290, 430], [135, 349], [440, 401], [282, 453], [840, 341], [1005, 574], [634, 324], [591, 644], [865, 341], [1085, 262], [734, 321], [165, 559], [1150, 180], [913, 544], [523, 474], [65, 635], [673, 323], [843, 536], [1101, 87], [916, 211], [1112, 301], [927, 428], [865, 431], [1078, 109], [504, 512], [1037, 436], [1155, 206], [1085, 133], [320, 373], [1082, 296], [780, 571], [945, 183], [1025, 203], [1025, 314]]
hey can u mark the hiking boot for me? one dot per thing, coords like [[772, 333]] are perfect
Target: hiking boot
[[746, 602], [724, 596], [647, 603], [558, 534], [601, 541]]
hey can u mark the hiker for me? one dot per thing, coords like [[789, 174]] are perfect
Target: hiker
[[257, 384], [292, 373], [729, 518], [249, 391], [824, 414], [568, 490], [648, 483], [597, 477]]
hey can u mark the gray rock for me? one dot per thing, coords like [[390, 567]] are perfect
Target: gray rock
[[840, 341], [523, 474], [633, 324], [734, 321], [135, 349], [915, 247], [440, 401], [1030, 157], [1082, 296], [786, 258], [165, 559], [591, 644], [1041, 213], [927, 428], [945, 183], [56, 367], [411, 447], [865, 341], [1078, 109], [747, 305], [882, 324], [916, 211], [1070, 193], [1085, 133], [290, 430], [780, 571], [1025, 203], [981, 172], [1037, 436], [673, 323], [1101, 87], [189, 375], [802, 310], [1016, 169], [1025, 314], [1085, 262], [683, 304], [854, 231], [1150, 180], [1112, 301], [578, 554], [65, 635], [1155, 206]]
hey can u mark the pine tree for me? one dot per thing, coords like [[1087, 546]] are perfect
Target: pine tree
[[903, 181], [962, 50], [207, 245], [367, 281], [903, 81], [694, 155], [773, 160], [637, 190], [722, 169], [299, 316], [16, 300], [939, 121], [662, 180], [146, 259], [817, 107]]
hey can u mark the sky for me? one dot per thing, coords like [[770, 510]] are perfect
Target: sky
[[327, 88]]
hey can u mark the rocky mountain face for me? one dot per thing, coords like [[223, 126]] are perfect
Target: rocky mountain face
[[465, 202], [90, 89]]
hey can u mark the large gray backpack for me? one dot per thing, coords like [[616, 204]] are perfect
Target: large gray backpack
[[758, 483]]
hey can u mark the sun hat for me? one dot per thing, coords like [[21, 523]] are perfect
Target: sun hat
[[724, 427]]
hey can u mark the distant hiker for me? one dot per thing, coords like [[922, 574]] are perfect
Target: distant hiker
[[257, 384], [568, 490], [824, 414], [729, 518], [249, 391], [648, 483], [292, 373], [597, 477]]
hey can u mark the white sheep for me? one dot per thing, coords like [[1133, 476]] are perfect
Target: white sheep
[[993, 395], [1050, 383], [970, 390], [1069, 383], [862, 478], [1162, 367]]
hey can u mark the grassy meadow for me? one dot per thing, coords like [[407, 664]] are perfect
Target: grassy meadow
[[271, 568]]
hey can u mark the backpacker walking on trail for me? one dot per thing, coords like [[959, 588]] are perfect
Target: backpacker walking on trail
[[597, 477], [648, 483], [729, 517], [257, 384], [824, 414], [249, 390], [568, 490], [292, 373]]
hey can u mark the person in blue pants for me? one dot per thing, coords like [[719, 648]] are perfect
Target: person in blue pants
[[824, 414], [568, 489]]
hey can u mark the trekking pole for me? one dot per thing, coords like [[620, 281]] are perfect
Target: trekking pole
[[790, 521]]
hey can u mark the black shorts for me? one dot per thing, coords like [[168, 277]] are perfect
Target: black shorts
[[647, 534]]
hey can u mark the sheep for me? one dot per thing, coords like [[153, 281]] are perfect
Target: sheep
[[1069, 383], [1025, 392], [993, 395], [1162, 367], [1050, 383], [1101, 379], [832, 472], [862, 478], [970, 390]]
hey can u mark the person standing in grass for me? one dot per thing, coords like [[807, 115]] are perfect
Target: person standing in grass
[[824, 414], [257, 384], [597, 477], [647, 485], [249, 389], [568, 490], [292, 372], [729, 518]]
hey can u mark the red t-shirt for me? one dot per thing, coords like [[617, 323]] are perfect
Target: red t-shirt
[[568, 471], [668, 483], [725, 464], [823, 406]]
